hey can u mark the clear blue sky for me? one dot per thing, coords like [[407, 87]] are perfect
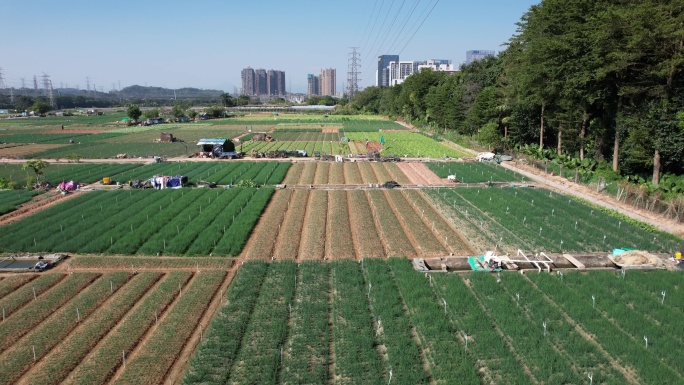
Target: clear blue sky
[[205, 44]]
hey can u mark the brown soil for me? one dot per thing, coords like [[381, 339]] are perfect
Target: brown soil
[[411, 173], [41, 202], [15, 151], [426, 173], [374, 146]]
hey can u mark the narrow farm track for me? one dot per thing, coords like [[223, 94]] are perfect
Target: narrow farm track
[[150, 331]]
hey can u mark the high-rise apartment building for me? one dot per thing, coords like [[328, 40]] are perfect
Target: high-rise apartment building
[[382, 76], [399, 71], [260, 82], [276, 83], [328, 82], [312, 85], [248, 85], [475, 55]]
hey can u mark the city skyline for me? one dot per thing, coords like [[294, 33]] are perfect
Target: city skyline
[[114, 45]]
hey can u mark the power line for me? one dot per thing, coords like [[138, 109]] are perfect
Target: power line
[[404, 25], [381, 27], [418, 29], [369, 22], [390, 27]]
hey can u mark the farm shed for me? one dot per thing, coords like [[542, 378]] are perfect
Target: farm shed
[[209, 146], [167, 137], [261, 136]]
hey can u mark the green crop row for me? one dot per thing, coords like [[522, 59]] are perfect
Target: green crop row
[[156, 356], [216, 354], [28, 293], [18, 358], [306, 354], [447, 357], [11, 199], [108, 357], [393, 328], [573, 295], [542, 220], [408, 144], [260, 355], [474, 172], [356, 359], [143, 222], [486, 340]]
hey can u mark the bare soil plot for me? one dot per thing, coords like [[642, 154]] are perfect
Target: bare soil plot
[[352, 224], [349, 173], [16, 151], [419, 173]]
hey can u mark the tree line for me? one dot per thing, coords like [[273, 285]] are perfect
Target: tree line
[[589, 79]]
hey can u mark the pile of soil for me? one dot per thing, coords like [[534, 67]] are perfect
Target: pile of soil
[[636, 258]]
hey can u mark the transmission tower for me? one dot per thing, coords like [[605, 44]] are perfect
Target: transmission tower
[[51, 95], [23, 83], [35, 83], [2, 79], [87, 84], [353, 73], [12, 95], [46, 82]]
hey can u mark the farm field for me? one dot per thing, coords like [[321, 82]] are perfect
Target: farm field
[[349, 173], [352, 224], [142, 222], [539, 220], [11, 199], [347, 322], [79, 328], [474, 172], [263, 173], [409, 144]]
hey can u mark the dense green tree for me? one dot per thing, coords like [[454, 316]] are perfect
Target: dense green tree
[[134, 112], [40, 107]]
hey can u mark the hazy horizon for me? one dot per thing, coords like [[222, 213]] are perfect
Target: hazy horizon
[[174, 45]]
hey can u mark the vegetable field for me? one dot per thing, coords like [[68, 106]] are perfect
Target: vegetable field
[[91, 328], [408, 144], [540, 220], [263, 173], [352, 224], [379, 321], [11, 199], [474, 172], [147, 222], [56, 173]]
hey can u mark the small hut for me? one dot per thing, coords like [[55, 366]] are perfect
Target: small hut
[[167, 137], [214, 146]]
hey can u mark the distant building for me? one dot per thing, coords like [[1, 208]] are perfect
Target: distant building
[[382, 77], [260, 82], [475, 55], [275, 81], [328, 81], [248, 81], [399, 71], [435, 65], [312, 85]]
